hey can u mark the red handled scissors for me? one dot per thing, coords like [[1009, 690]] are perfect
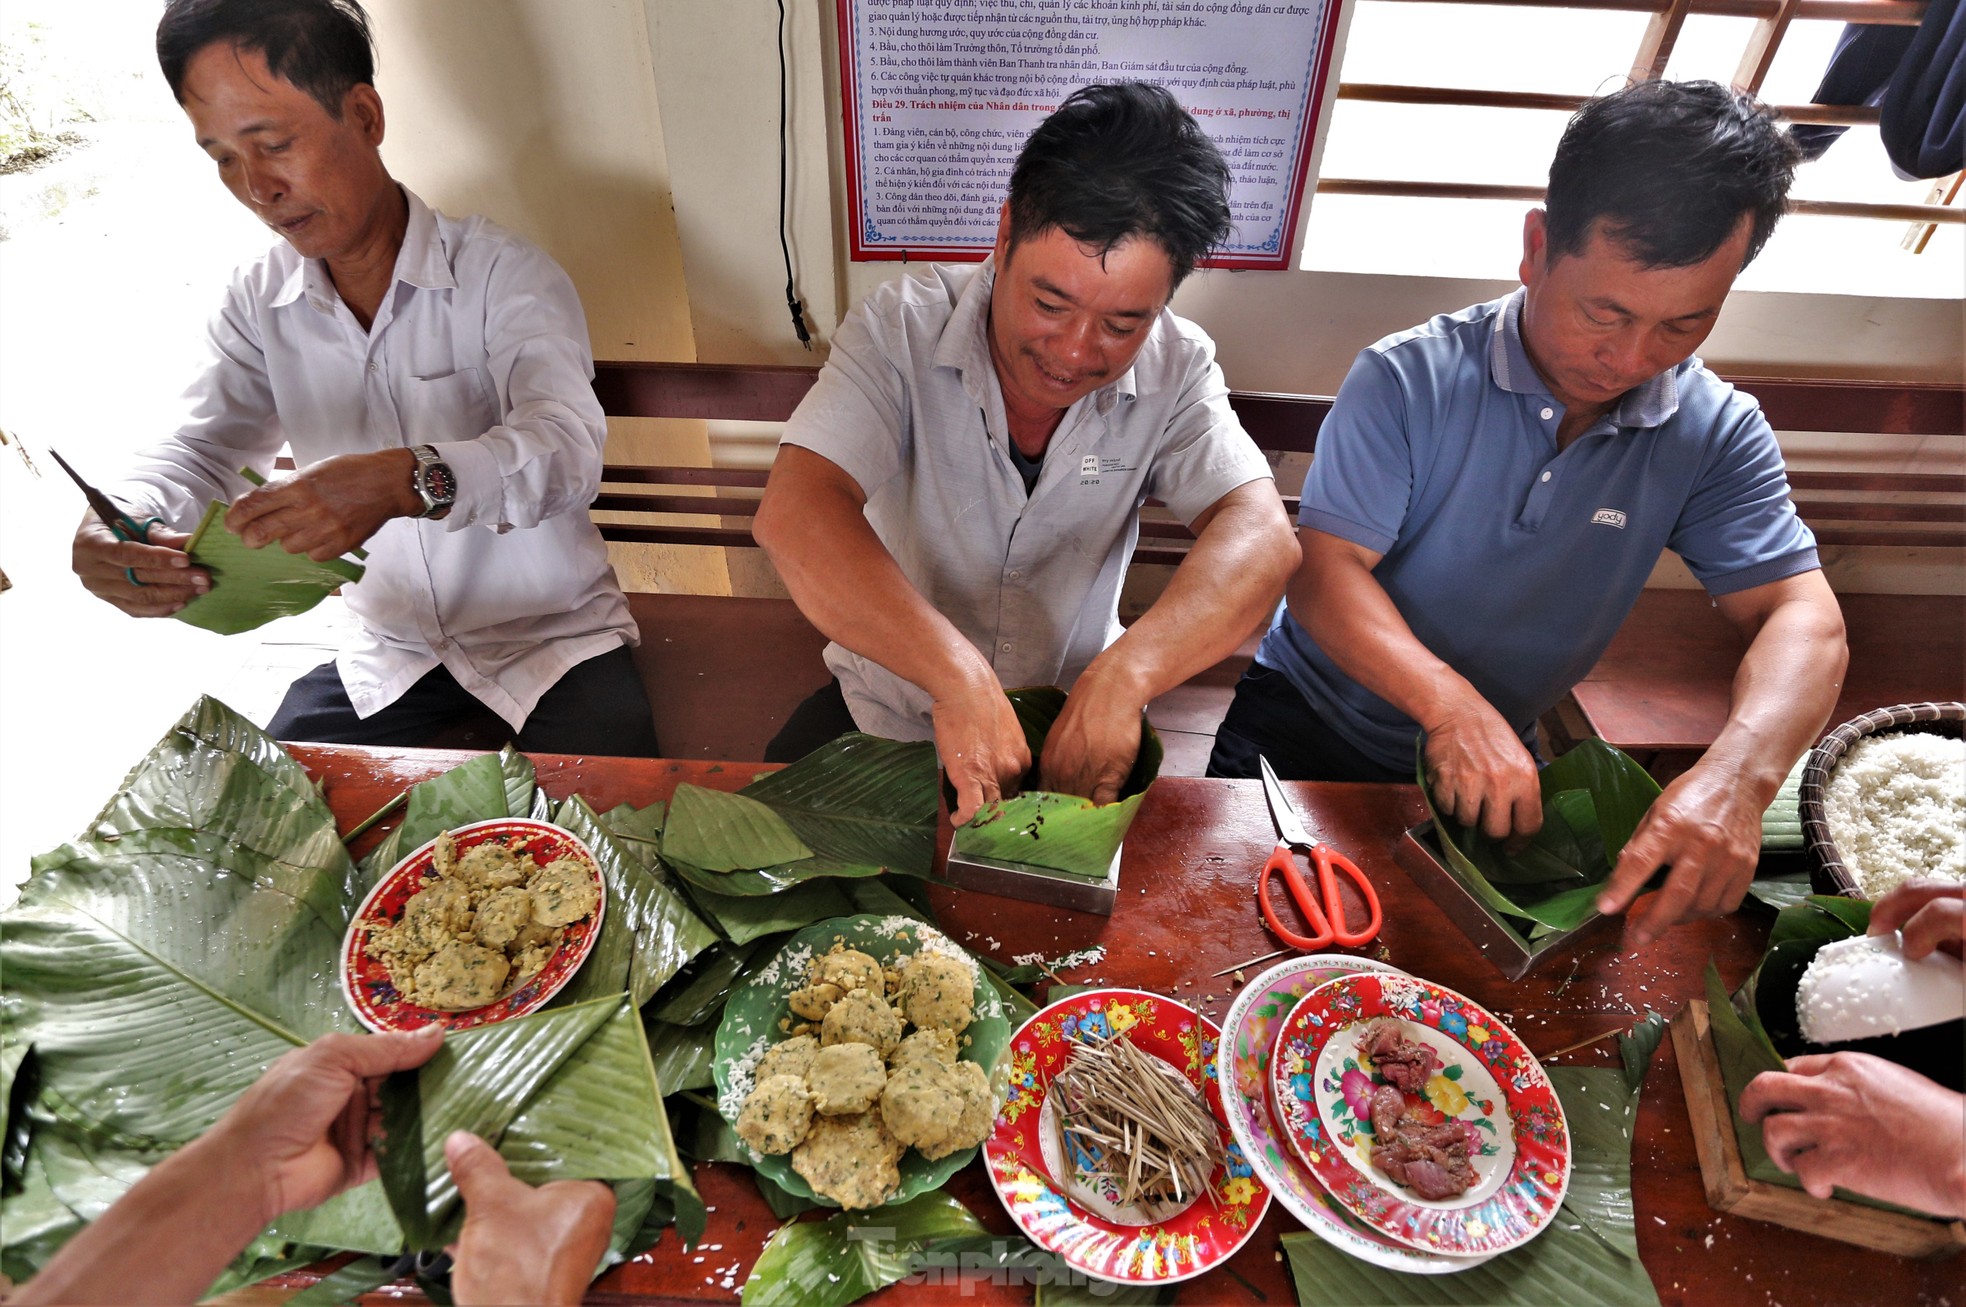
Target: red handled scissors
[[1327, 919]]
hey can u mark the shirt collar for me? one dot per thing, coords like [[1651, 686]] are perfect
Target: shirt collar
[[422, 262], [965, 345], [1647, 404]]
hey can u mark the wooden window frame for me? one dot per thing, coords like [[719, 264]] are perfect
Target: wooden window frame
[[1772, 19]]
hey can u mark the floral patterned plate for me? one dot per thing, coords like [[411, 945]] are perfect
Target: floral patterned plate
[[1248, 1034], [1488, 1082], [1127, 1246], [367, 984]]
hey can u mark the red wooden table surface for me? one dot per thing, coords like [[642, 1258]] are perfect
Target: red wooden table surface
[[1187, 909]]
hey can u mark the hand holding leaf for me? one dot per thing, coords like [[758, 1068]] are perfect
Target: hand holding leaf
[[1706, 828]]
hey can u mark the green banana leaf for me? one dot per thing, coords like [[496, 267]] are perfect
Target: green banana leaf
[[251, 587], [717, 831], [844, 1258], [746, 917], [859, 805], [648, 933], [485, 788], [564, 1094], [699, 992], [681, 1055], [1594, 798], [345, 1287], [1060, 832], [1588, 1254], [1782, 889], [34, 1224], [157, 963], [1781, 824]]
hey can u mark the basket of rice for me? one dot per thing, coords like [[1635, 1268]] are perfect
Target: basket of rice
[[1883, 800]]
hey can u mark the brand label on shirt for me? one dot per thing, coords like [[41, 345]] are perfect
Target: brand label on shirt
[[1089, 465], [1608, 517]]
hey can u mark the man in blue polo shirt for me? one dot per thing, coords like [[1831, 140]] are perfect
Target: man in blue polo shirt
[[1493, 488]]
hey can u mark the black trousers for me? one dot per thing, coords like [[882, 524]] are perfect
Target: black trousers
[[822, 718], [597, 707], [1268, 717]]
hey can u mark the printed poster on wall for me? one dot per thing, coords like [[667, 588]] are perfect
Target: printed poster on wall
[[940, 95]]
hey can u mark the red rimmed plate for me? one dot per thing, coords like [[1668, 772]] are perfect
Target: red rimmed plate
[[1095, 1236], [1249, 1034], [366, 983], [1321, 1083]]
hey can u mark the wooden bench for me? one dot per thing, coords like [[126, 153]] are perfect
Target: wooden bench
[[1655, 692]]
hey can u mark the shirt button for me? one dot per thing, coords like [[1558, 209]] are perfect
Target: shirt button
[[1548, 413], [1013, 574], [372, 369], [1005, 646], [1546, 476]]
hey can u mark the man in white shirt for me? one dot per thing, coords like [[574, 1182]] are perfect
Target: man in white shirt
[[434, 381], [955, 501]]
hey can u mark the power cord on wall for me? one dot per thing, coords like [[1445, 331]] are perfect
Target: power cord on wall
[[791, 294]]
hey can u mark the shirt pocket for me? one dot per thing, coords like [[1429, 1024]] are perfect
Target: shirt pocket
[[451, 407]]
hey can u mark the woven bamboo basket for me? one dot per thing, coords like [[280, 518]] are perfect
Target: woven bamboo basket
[[1828, 874]]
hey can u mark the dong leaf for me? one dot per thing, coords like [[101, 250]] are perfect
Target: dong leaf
[[717, 831], [1061, 832], [861, 806], [648, 933], [485, 788], [844, 1258], [1594, 798], [251, 587]]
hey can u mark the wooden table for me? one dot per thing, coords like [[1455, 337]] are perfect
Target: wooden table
[[1187, 909]]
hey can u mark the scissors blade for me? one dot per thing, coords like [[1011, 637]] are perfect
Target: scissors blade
[[1289, 826], [104, 507]]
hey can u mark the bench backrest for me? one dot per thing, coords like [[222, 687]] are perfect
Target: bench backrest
[[1843, 507]]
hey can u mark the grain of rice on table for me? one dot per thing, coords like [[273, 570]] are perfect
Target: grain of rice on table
[[1896, 807]]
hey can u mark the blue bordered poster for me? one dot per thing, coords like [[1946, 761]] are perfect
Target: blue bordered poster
[[940, 94]]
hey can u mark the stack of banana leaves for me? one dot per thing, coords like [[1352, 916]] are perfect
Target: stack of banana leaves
[[157, 963]]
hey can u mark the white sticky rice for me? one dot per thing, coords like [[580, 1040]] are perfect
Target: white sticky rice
[[1896, 807]]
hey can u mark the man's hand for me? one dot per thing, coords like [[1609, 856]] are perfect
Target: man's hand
[[981, 746], [304, 1126], [1871, 1126], [330, 507], [1706, 826], [1931, 913], [168, 580], [521, 1244], [1090, 749], [1481, 773]]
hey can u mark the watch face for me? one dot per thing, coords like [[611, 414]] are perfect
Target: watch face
[[441, 482]]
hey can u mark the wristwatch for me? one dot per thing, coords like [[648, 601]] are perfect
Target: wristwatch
[[434, 482]]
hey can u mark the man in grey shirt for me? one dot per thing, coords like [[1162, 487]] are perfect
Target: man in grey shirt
[[955, 501]]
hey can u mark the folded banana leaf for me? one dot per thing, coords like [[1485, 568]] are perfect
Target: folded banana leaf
[[1061, 832], [857, 806], [1594, 798], [251, 587], [1588, 1254]]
